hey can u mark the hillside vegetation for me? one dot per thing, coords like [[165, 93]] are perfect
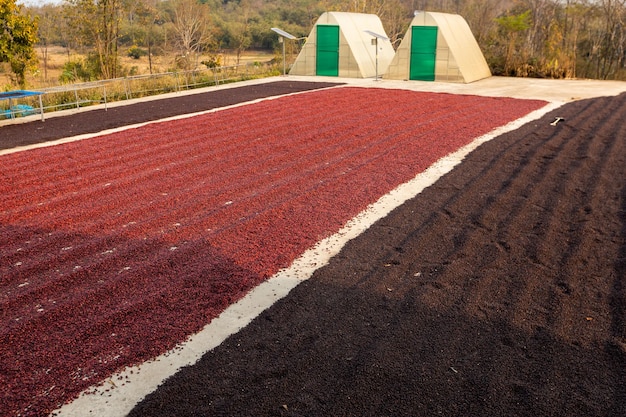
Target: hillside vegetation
[[109, 38]]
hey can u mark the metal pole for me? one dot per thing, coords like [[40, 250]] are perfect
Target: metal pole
[[284, 60], [376, 46], [104, 88], [41, 107]]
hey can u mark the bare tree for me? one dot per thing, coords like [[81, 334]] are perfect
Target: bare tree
[[480, 15], [146, 15], [48, 26], [611, 38], [239, 27], [396, 19], [191, 24]]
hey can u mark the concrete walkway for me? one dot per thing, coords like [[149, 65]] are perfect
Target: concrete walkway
[[561, 91], [528, 88]]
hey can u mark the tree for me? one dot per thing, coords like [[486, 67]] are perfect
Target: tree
[[480, 17], [96, 23], [512, 27], [141, 26], [540, 38], [51, 24], [610, 39], [18, 35], [240, 29], [191, 24], [395, 20]]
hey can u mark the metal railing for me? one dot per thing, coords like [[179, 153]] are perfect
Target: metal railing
[[78, 95]]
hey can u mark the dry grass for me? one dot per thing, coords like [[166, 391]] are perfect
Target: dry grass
[[48, 75]]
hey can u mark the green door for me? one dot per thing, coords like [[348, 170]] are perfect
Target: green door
[[327, 62], [423, 53]]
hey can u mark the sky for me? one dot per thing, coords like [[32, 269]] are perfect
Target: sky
[[38, 2]]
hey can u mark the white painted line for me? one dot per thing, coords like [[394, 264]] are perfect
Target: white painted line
[[127, 388]]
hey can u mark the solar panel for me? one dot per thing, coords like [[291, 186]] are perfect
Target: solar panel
[[283, 33], [376, 35]]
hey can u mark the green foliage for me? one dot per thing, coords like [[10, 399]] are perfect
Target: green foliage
[[75, 71], [96, 23], [513, 61], [214, 61], [18, 35], [135, 52], [515, 23]]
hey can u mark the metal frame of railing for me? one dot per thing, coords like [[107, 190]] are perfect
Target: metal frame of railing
[[78, 95]]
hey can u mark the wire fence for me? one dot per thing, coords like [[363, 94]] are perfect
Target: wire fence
[[78, 95]]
